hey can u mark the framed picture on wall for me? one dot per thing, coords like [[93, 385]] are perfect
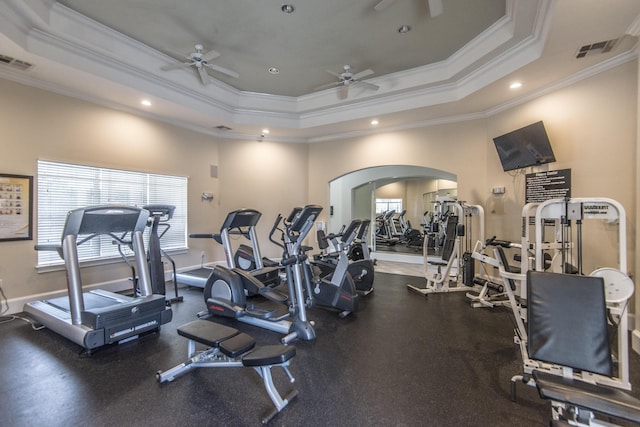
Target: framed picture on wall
[[16, 207]]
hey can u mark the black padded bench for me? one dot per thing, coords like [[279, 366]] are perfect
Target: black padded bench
[[567, 327], [228, 347]]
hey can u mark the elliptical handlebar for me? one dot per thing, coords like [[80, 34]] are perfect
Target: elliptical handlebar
[[273, 230]]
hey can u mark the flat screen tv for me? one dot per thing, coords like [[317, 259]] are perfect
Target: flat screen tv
[[528, 146]]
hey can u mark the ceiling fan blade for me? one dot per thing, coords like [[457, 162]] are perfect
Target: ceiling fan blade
[[223, 70], [333, 73], [369, 86], [327, 86], [362, 74], [382, 5], [212, 54], [176, 66], [206, 79], [435, 7]]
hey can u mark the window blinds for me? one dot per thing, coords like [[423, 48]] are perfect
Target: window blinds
[[63, 187]]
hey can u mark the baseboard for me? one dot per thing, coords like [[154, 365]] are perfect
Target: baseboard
[[119, 285]]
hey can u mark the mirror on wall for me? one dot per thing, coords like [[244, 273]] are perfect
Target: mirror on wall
[[365, 193]]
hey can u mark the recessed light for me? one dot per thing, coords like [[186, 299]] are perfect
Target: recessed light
[[515, 85], [265, 131], [146, 103], [374, 122], [274, 70], [404, 29], [287, 8]]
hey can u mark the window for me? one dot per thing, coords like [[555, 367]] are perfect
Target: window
[[384, 205], [63, 187]]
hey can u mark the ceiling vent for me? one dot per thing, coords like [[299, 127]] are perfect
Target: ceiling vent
[[14, 63], [600, 47], [222, 128]]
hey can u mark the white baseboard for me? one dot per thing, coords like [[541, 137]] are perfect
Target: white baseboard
[[119, 285]]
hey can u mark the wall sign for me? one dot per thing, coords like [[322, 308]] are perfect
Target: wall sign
[[16, 194], [541, 186]]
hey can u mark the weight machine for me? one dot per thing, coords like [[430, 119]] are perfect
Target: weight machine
[[456, 264], [567, 244]]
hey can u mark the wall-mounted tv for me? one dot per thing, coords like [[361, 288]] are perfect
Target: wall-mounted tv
[[528, 146]]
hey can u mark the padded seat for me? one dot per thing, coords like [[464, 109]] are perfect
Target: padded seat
[[605, 400], [269, 355], [208, 333]]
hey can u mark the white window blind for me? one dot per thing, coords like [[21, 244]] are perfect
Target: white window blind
[[63, 187], [384, 205]]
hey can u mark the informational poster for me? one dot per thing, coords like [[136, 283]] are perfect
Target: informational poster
[[541, 186], [15, 207]]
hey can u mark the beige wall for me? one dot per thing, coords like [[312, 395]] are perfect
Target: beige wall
[[40, 125], [592, 126]]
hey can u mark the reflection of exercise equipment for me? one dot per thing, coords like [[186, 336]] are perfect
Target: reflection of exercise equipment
[[226, 290], [98, 317], [568, 330], [559, 214], [228, 348]]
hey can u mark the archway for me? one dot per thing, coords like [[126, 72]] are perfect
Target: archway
[[353, 195]]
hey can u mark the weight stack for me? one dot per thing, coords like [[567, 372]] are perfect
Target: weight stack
[[468, 269]]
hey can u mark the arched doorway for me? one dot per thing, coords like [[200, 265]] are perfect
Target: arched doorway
[[353, 195]]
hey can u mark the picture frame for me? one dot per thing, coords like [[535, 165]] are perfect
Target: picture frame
[[16, 207]]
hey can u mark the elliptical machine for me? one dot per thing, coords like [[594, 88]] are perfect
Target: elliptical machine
[[349, 244], [226, 290], [159, 216], [338, 291]]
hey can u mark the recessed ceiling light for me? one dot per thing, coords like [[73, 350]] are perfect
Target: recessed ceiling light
[[287, 8], [274, 70], [146, 103], [374, 122], [404, 29], [265, 131], [515, 85]]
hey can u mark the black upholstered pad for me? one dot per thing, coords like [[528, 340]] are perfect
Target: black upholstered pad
[[567, 321], [205, 332], [269, 355], [237, 345], [603, 399]]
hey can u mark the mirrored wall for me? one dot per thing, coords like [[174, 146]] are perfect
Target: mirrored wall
[[362, 194]]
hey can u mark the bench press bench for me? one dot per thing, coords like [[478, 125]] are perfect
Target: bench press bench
[[228, 347]]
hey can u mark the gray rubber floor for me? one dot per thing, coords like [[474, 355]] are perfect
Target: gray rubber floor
[[402, 360]]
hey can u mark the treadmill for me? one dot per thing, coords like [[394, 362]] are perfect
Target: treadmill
[[239, 222], [96, 318]]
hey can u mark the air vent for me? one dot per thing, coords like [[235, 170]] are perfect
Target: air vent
[[223, 128], [600, 47], [14, 63]]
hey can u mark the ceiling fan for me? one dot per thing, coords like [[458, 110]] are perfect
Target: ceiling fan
[[348, 78], [200, 61], [435, 6]]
